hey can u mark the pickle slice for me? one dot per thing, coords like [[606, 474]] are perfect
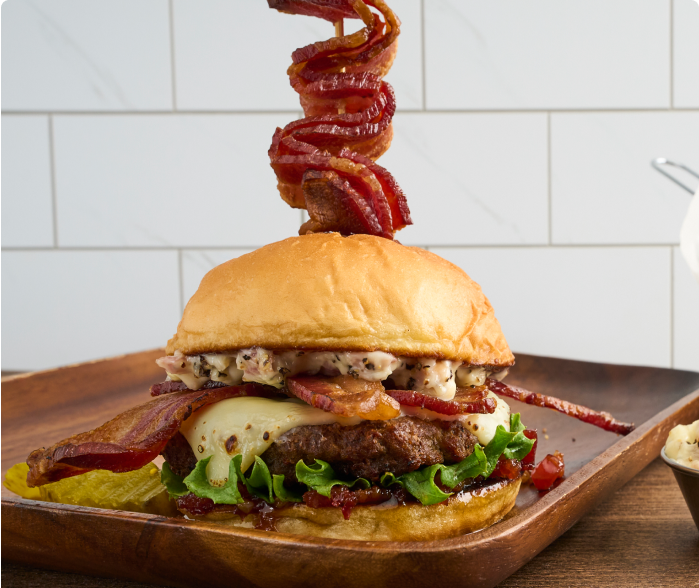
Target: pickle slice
[[136, 491], [16, 481]]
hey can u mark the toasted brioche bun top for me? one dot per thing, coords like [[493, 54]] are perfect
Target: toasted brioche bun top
[[328, 292]]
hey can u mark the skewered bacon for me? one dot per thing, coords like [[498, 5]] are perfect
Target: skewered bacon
[[332, 10], [604, 420], [347, 126]]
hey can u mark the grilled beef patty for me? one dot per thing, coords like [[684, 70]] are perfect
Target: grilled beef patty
[[178, 453], [366, 450]]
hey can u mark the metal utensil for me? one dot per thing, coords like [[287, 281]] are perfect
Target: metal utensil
[[658, 164]]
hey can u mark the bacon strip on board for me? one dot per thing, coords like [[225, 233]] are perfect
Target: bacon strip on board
[[603, 420], [130, 440]]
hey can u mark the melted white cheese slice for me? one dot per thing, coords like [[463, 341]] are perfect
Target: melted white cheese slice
[[483, 426], [247, 425]]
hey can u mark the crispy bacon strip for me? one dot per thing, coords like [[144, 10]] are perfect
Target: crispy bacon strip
[[167, 387], [332, 10], [345, 396], [603, 420], [348, 110], [130, 440], [331, 201], [465, 401]]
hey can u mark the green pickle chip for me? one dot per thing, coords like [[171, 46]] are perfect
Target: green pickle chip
[[137, 491]]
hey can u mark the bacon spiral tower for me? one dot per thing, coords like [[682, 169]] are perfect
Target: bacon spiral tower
[[325, 162]]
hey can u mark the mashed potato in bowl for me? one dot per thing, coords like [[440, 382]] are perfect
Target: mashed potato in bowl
[[682, 445]]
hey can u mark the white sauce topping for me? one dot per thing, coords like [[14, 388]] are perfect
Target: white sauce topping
[[428, 376], [256, 423], [437, 378], [683, 445]]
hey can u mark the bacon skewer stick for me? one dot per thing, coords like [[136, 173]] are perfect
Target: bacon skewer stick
[[348, 110], [340, 32], [603, 420]]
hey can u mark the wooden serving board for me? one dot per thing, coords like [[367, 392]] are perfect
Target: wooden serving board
[[42, 408]]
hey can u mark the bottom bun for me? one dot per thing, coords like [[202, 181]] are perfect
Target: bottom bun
[[464, 512]]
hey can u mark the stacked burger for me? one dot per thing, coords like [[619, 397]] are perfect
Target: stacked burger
[[338, 383], [326, 385]]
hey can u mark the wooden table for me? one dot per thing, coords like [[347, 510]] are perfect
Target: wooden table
[[642, 536]]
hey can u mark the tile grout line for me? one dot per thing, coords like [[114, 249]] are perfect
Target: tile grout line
[[672, 55], [423, 245], [424, 62], [144, 112], [181, 276], [513, 111], [172, 55], [54, 199], [672, 307], [548, 179]]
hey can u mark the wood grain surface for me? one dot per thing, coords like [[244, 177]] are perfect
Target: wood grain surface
[[42, 408], [642, 536]]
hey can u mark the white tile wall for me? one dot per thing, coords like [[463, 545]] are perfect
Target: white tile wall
[[547, 54], [480, 178], [221, 46], [86, 55], [27, 217], [686, 53], [68, 306], [160, 180], [162, 112], [686, 315], [603, 188], [588, 303], [196, 263], [406, 74]]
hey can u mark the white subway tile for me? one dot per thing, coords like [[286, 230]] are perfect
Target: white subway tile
[[472, 178], [406, 74], [604, 189], [86, 55], [168, 180], [233, 54], [547, 54], [27, 211], [686, 316], [197, 263], [600, 304], [62, 307], [685, 53]]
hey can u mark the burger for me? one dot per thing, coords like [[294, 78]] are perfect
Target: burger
[[329, 386]]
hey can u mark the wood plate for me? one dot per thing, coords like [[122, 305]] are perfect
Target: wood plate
[[41, 408]]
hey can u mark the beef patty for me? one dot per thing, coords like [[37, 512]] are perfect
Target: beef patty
[[366, 450]]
